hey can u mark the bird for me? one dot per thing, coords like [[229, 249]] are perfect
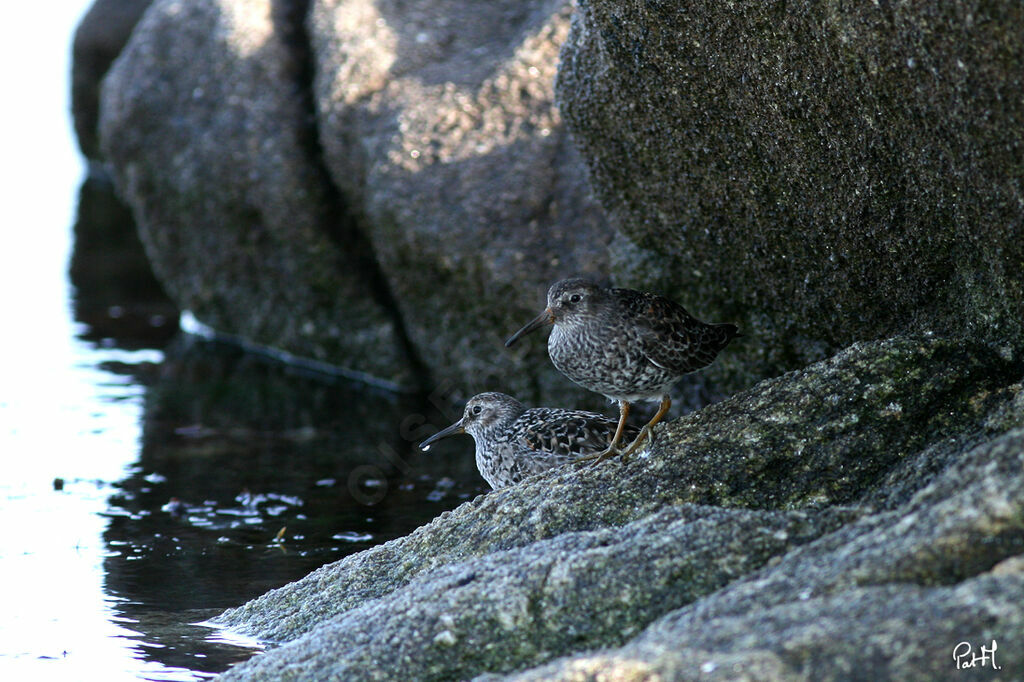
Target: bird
[[513, 442], [625, 344]]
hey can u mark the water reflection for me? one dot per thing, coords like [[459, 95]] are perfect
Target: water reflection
[[117, 299], [250, 473]]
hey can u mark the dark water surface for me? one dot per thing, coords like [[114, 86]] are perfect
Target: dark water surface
[[162, 477], [251, 475]]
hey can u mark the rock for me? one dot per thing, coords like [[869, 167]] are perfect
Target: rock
[[893, 593], [99, 38], [817, 175], [895, 631], [209, 129], [404, 232], [397, 177], [873, 490], [520, 605], [439, 125]]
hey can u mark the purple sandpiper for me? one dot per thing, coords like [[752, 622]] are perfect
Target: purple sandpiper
[[513, 442], [627, 345]]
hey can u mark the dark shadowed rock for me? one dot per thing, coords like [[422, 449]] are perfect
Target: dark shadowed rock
[[816, 174], [99, 38], [438, 123], [211, 138], [640, 566]]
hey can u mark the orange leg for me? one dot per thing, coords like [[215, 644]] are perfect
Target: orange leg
[[648, 430], [623, 413], [615, 446]]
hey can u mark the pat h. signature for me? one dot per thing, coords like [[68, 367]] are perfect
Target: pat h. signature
[[965, 657]]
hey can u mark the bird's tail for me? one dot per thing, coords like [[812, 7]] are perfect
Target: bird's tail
[[728, 331]]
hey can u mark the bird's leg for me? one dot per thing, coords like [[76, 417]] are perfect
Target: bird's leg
[[615, 446], [648, 430], [623, 413]]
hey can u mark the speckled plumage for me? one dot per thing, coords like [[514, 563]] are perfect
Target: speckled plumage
[[513, 442], [627, 345]]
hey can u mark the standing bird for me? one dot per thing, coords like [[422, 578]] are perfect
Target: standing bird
[[513, 442], [627, 345]]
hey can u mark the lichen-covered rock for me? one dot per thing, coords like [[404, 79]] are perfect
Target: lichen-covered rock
[[438, 123], [516, 607], [893, 593], [817, 174], [889, 632], [210, 136], [901, 464]]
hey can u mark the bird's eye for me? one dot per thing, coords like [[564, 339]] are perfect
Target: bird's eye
[[575, 298], [477, 409]]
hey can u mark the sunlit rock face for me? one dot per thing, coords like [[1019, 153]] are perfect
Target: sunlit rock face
[[438, 121], [209, 133], [386, 188]]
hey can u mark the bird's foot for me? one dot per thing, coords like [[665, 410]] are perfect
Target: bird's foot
[[598, 457], [646, 433]]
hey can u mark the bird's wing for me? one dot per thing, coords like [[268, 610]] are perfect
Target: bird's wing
[[673, 339], [566, 435]]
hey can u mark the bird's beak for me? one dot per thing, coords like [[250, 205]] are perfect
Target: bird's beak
[[443, 433], [546, 317]]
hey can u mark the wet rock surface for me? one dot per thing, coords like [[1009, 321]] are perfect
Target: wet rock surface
[[517, 606]]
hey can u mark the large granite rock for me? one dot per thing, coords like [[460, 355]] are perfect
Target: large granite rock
[[875, 632], [773, 535], [416, 190], [209, 130], [438, 123], [816, 173]]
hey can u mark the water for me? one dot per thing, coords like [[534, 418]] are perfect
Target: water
[[151, 479], [156, 488]]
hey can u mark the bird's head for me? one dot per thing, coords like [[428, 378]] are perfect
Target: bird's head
[[569, 300]]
